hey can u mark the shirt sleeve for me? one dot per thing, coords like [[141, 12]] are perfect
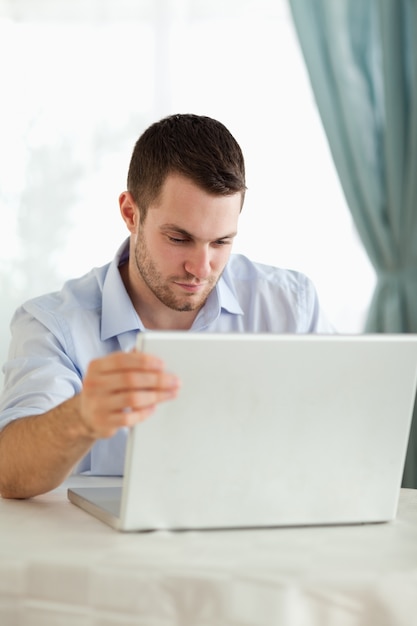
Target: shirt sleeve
[[39, 374]]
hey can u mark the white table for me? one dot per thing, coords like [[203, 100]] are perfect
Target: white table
[[60, 567]]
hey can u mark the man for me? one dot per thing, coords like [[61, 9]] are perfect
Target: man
[[73, 382]]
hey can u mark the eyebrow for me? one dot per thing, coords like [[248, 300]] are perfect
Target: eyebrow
[[185, 233]]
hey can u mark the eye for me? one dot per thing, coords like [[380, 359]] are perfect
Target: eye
[[177, 240], [222, 242]]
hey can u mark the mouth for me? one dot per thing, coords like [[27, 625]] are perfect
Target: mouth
[[191, 287]]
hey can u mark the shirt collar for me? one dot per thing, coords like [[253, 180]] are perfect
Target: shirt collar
[[221, 299], [119, 315], [227, 298]]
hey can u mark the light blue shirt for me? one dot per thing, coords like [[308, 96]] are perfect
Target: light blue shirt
[[55, 336]]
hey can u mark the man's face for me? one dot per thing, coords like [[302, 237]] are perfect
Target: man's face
[[184, 243]]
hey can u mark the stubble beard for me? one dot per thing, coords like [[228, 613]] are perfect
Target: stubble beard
[[160, 286]]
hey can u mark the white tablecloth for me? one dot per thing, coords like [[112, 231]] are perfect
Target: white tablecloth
[[60, 567]]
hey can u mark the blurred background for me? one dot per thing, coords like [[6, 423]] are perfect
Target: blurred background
[[82, 79]]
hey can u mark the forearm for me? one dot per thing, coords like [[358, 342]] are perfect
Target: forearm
[[38, 452]]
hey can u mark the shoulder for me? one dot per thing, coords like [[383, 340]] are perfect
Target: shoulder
[[77, 303], [83, 293], [61, 323], [241, 270], [274, 299]]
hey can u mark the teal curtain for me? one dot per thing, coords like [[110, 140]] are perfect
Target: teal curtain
[[361, 60]]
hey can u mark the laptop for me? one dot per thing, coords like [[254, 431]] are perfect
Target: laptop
[[268, 430]]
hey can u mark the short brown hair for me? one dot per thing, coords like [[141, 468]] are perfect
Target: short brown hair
[[195, 146]]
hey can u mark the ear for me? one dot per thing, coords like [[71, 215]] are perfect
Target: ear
[[129, 211]]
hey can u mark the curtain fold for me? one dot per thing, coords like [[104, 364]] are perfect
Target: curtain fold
[[361, 60]]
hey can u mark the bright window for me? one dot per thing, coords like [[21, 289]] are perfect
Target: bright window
[[82, 80]]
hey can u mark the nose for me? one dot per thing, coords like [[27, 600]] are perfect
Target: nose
[[198, 263]]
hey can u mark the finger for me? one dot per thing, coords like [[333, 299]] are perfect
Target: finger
[[123, 382], [137, 417], [133, 401], [125, 361], [163, 381], [110, 418], [104, 428]]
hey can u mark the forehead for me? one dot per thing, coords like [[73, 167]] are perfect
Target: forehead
[[183, 204]]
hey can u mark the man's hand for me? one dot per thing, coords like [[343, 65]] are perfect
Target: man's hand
[[38, 452], [122, 389]]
